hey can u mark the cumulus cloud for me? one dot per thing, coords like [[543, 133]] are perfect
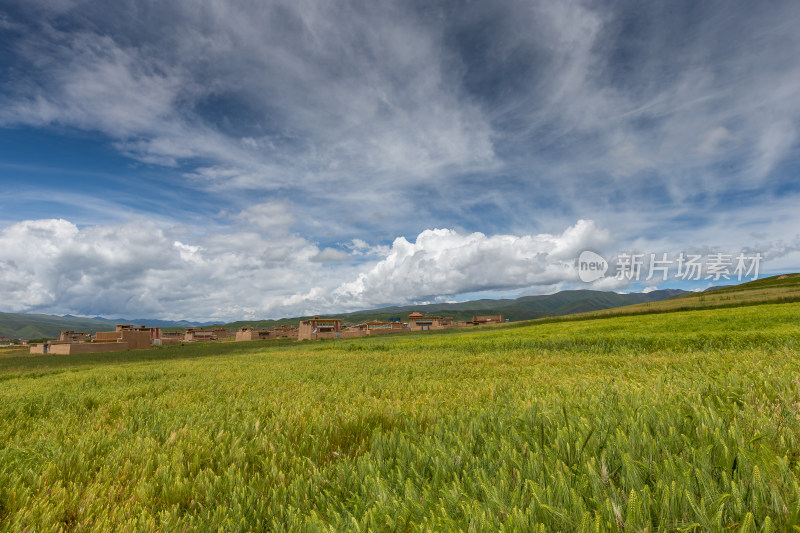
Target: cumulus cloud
[[443, 262], [137, 269], [141, 269]]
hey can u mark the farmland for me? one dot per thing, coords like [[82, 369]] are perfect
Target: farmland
[[687, 420]]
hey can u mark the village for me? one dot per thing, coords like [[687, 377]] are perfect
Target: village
[[130, 337]]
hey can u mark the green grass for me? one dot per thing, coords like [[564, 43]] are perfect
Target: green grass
[[681, 421]]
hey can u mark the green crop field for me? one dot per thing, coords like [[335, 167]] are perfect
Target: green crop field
[[683, 421]]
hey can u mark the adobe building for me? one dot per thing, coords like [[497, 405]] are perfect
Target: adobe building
[[419, 322], [252, 334], [171, 337], [73, 336], [124, 337], [285, 332], [376, 327], [135, 338], [279, 332], [65, 337], [487, 319], [206, 335], [320, 328]]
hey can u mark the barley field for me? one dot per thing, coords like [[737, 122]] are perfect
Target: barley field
[[685, 421]]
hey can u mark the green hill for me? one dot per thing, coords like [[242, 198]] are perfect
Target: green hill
[[783, 288], [36, 326], [524, 308], [585, 303]]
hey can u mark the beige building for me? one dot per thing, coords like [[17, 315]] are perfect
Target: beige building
[[420, 322], [487, 319], [285, 332], [73, 336], [135, 338], [124, 337], [376, 327], [206, 335], [279, 332], [252, 334], [172, 337], [320, 328]]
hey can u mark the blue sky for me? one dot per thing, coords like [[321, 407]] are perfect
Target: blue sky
[[224, 160]]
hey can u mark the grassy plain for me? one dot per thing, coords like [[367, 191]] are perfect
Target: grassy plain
[[684, 421]]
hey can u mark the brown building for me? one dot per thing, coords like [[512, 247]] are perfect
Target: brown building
[[280, 332], [72, 336], [172, 337], [252, 334], [320, 328], [487, 319], [135, 338], [285, 332], [206, 335], [419, 322], [124, 337], [376, 327]]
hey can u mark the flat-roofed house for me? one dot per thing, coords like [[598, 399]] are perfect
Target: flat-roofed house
[[279, 332], [376, 327], [319, 328], [487, 319], [420, 322], [252, 334], [124, 337], [206, 335], [74, 336], [172, 337], [285, 332], [136, 338]]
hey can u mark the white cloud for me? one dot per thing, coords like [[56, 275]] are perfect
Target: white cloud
[[442, 262], [139, 269], [775, 143], [331, 255], [135, 269], [326, 96], [715, 141], [268, 217]]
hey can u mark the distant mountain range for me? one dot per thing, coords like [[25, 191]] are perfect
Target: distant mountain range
[[34, 326], [524, 308]]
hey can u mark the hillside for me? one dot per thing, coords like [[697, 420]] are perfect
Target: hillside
[[583, 303], [524, 308], [36, 326], [783, 288]]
